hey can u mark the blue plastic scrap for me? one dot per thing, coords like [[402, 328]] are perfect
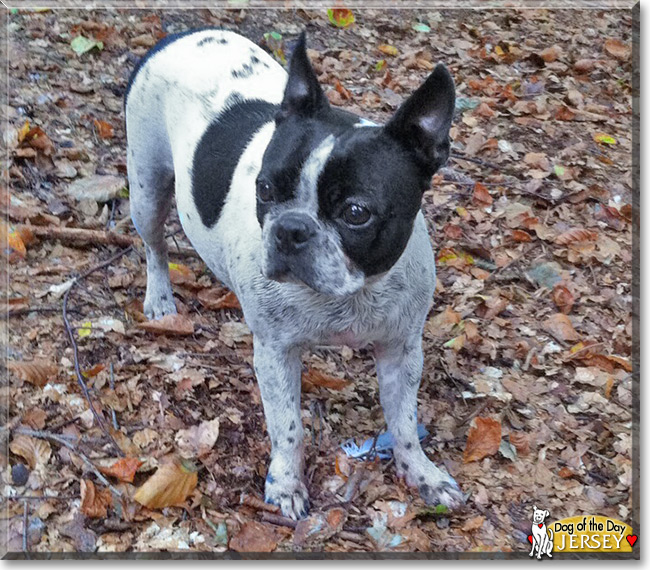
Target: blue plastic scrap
[[383, 447]]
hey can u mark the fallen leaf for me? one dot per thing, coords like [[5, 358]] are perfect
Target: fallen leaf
[[123, 469], [550, 54], [563, 298], [255, 537], [576, 235], [473, 524], [34, 418], [340, 17], [585, 65], [215, 299], [169, 324], [521, 236], [104, 129], [233, 332], [388, 49], [520, 441], [94, 501], [11, 243], [618, 49], [81, 45], [602, 138], [101, 188], [197, 440], [37, 372], [34, 451], [180, 274], [314, 378], [38, 140], [560, 327], [480, 196], [483, 439], [169, 486]]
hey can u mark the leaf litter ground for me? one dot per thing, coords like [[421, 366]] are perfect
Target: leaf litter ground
[[526, 390]]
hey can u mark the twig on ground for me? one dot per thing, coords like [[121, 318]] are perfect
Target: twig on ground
[[351, 536], [86, 236], [278, 520], [258, 504], [40, 434], [75, 348], [112, 384]]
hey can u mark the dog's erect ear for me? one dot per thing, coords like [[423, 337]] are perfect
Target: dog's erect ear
[[547, 513], [303, 94], [423, 121], [534, 508]]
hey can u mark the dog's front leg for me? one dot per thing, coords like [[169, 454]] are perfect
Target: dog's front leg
[[399, 370], [278, 371]]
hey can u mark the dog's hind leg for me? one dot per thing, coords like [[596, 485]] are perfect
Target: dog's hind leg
[[151, 187]]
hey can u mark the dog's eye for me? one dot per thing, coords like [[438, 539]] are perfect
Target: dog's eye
[[356, 215], [264, 191]]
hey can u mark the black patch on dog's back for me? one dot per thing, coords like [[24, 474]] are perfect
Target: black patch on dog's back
[[219, 151]]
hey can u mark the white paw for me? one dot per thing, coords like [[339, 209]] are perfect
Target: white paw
[[290, 494], [157, 305], [434, 485]]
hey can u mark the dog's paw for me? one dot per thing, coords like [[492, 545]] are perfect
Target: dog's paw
[[434, 485], [158, 305], [290, 495]]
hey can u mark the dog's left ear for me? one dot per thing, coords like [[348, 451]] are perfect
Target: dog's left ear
[[423, 121], [303, 94], [547, 513]]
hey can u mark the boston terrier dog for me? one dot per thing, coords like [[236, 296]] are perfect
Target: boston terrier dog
[[310, 214]]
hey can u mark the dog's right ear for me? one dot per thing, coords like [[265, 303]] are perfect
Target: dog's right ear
[[534, 507], [548, 514], [303, 94]]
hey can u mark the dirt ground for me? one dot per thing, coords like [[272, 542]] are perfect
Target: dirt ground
[[527, 387]]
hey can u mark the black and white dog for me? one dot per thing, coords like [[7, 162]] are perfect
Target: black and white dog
[[310, 214]]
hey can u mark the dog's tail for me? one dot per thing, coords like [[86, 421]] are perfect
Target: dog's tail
[[550, 535]]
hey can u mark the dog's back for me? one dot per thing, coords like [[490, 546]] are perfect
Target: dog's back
[[194, 104]]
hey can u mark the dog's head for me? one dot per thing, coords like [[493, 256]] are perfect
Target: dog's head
[[337, 200], [539, 515]]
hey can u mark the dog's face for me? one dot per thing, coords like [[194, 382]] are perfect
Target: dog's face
[[539, 515], [336, 200]]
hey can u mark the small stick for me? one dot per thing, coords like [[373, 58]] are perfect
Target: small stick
[[75, 348], [258, 504], [112, 384], [278, 520], [39, 434], [351, 536]]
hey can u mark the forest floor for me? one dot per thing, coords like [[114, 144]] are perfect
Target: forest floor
[[527, 385]]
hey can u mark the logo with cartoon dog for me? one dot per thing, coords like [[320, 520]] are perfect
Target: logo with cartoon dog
[[584, 533], [541, 538]]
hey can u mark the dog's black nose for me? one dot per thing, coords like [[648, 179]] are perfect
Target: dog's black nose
[[293, 232]]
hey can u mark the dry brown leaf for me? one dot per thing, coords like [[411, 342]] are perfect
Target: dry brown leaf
[[481, 197], [34, 418], [314, 378], [617, 49], [180, 274], [104, 129], [216, 299], [576, 235], [442, 323], [474, 524], [169, 324], [37, 372], [550, 54], [94, 501], [585, 65], [123, 469], [37, 139], [560, 327], [255, 537], [521, 236], [34, 451], [483, 439], [520, 441], [197, 440], [563, 298], [169, 486]]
